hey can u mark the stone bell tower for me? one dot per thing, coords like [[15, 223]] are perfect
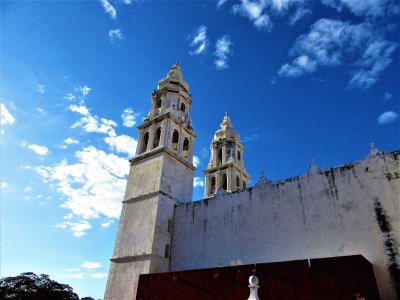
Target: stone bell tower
[[161, 175], [225, 169]]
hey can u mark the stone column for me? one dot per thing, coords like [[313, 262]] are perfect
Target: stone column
[[151, 138], [163, 132], [224, 153]]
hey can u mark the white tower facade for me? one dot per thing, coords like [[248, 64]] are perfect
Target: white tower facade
[[161, 176], [226, 168]]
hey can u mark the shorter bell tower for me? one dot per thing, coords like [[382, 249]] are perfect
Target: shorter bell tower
[[226, 168]]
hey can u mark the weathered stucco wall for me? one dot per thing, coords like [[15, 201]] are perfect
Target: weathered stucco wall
[[352, 209]]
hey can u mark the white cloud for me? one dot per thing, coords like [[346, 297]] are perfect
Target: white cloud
[[93, 186], [78, 228], [388, 117], [200, 41], [70, 141], [122, 144], [220, 3], [115, 34], [75, 276], [387, 96], [371, 8], [98, 275], [40, 150], [197, 181], [73, 270], [129, 117], [109, 9], [107, 223], [127, 1], [41, 89], [83, 110], [91, 265], [3, 185], [5, 117], [196, 161], [222, 52], [330, 42], [27, 189], [84, 90]]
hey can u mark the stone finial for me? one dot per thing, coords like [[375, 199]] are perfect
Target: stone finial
[[253, 285], [263, 180], [313, 168], [373, 151]]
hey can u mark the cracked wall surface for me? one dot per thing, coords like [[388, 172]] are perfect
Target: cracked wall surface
[[351, 209]]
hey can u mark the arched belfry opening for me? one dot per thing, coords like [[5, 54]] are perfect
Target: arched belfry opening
[[183, 107], [175, 140], [145, 142], [226, 161], [185, 150], [157, 138]]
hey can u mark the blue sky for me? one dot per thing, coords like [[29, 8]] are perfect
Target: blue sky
[[301, 80]]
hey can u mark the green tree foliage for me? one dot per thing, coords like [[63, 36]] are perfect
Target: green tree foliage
[[29, 286]]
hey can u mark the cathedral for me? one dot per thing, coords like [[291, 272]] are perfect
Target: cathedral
[[353, 209]]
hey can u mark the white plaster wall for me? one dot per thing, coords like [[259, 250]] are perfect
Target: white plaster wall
[[329, 213]]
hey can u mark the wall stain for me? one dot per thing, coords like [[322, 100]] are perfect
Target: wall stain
[[302, 206], [390, 245]]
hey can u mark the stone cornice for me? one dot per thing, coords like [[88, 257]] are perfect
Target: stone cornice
[[133, 258], [160, 150]]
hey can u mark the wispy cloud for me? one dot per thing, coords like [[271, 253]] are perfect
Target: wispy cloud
[[70, 141], [129, 117], [107, 223], [109, 9], [84, 90], [199, 41], [387, 117], [387, 96], [330, 42], [3, 185], [115, 34], [220, 3], [299, 14], [78, 229], [222, 52], [41, 89], [98, 275], [196, 161], [91, 265], [197, 181], [40, 150], [256, 12], [5, 117], [369, 8], [250, 138]]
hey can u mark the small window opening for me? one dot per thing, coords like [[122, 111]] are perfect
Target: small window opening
[[158, 103], [238, 155], [145, 141], [166, 255], [185, 151], [244, 184], [175, 140], [224, 183], [169, 228], [212, 185], [183, 107], [219, 156], [157, 138]]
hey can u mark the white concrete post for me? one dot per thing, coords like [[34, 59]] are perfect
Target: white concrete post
[[253, 280]]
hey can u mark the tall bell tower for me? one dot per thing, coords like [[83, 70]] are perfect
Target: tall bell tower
[[226, 168], [160, 176]]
